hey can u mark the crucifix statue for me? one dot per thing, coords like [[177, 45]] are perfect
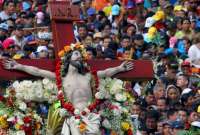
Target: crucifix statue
[[76, 82]]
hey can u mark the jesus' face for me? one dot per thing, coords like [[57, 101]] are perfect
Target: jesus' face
[[76, 56]]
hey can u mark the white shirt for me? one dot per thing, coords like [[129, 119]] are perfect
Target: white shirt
[[18, 42], [194, 53], [5, 16]]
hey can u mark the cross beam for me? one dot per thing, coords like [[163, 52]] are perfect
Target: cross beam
[[142, 69], [63, 13]]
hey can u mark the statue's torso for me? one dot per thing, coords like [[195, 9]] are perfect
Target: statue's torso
[[77, 89]]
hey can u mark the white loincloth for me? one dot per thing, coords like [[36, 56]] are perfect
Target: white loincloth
[[92, 121]]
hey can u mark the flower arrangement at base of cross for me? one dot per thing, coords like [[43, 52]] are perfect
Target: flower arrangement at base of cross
[[18, 117], [115, 110], [39, 91], [24, 107]]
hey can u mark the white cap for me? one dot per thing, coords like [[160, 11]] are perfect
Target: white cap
[[196, 124], [41, 48], [44, 35], [149, 22], [4, 26], [186, 90]]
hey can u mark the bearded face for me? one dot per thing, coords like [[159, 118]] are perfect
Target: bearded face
[[75, 59]]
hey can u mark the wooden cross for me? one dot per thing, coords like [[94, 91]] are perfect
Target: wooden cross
[[63, 13]]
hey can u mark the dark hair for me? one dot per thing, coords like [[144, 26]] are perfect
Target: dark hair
[[136, 104], [171, 112], [67, 61], [153, 114], [150, 91], [107, 37], [6, 3], [184, 97], [125, 37], [92, 50], [186, 19], [83, 26]]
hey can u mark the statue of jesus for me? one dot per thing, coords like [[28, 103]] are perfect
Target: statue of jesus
[[76, 83]]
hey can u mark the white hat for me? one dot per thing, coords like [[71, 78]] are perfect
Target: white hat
[[44, 35], [196, 124], [186, 90], [4, 26], [41, 48], [149, 22]]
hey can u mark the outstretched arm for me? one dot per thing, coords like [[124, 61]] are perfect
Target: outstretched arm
[[12, 64], [125, 66]]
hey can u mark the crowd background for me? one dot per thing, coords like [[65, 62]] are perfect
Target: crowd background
[[164, 31]]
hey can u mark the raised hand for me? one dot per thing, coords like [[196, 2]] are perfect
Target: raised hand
[[126, 66], [10, 64]]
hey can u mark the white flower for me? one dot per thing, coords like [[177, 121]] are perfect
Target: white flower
[[100, 95], [21, 132], [72, 46], [116, 86], [46, 95], [50, 86], [27, 97], [120, 97], [22, 106], [86, 110], [45, 81], [77, 121], [77, 112], [106, 124], [27, 83], [39, 93], [20, 122], [125, 110], [19, 95], [16, 84], [63, 112], [11, 119], [117, 104], [116, 112], [52, 99]]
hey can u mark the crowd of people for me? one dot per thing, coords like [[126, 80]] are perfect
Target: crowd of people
[[164, 31]]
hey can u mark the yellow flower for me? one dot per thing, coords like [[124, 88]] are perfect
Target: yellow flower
[[17, 56], [38, 125], [125, 126], [17, 126], [61, 53], [67, 48], [78, 46], [128, 95], [132, 100], [82, 127], [113, 133], [85, 56], [3, 122], [82, 46]]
